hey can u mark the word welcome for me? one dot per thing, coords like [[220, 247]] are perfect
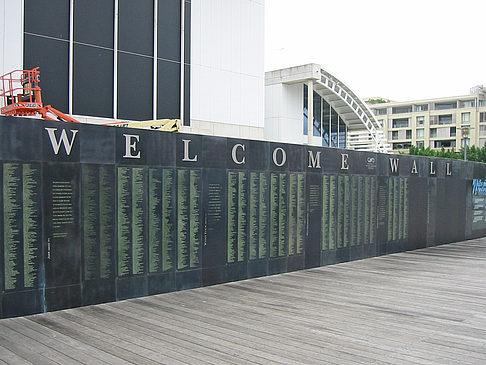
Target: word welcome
[[238, 154]]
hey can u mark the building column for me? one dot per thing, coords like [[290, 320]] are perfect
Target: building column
[[310, 111]]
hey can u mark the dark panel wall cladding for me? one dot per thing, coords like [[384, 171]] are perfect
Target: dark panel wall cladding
[[187, 32], [38, 13], [168, 90], [46, 44], [93, 214], [52, 58], [136, 24], [94, 22], [93, 81], [135, 90], [187, 95], [168, 30]]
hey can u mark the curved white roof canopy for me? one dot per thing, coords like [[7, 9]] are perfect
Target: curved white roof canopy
[[354, 112]]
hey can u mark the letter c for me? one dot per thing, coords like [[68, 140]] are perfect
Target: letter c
[[233, 154]]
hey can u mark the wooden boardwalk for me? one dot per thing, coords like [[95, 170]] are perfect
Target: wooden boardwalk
[[421, 307]]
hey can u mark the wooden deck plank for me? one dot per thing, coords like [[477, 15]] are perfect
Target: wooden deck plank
[[177, 346], [420, 307], [39, 334], [9, 357]]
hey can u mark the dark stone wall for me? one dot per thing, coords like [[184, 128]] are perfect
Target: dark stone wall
[[92, 214]]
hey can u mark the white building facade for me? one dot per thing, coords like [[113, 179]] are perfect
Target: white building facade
[[308, 98], [448, 122], [200, 61]]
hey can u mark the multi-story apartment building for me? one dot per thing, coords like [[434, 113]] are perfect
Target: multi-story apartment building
[[447, 122]]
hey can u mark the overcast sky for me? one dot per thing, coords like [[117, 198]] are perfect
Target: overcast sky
[[400, 50]]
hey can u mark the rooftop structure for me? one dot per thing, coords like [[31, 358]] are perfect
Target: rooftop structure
[[296, 95]]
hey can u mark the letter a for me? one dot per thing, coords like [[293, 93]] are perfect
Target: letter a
[[414, 168], [56, 145]]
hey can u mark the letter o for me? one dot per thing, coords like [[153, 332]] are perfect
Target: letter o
[[284, 156]]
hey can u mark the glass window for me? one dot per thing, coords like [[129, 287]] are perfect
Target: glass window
[[482, 117], [394, 134], [408, 134], [402, 109], [420, 133], [446, 144], [452, 132], [445, 119], [334, 128], [465, 117], [420, 121], [468, 104], [317, 115], [443, 106], [326, 116], [401, 146], [306, 104], [421, 108], [380, 111], [433, 132], [342, 133], [420, 144], [400, 123]]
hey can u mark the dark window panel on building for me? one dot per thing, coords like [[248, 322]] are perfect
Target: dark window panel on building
[[334, 128], [169, 30], [401, 145], [93, 81], [443, 106], [342, 133], [135, 87], [48, 18], [52, 58], [135, 26], [400, 123], [94, 22], [306, 110], [187, 33], [326, 114], [187, 95], [317, 115], [402, 109], [168, 90]]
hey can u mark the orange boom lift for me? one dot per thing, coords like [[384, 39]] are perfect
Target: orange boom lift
[[22, 97]]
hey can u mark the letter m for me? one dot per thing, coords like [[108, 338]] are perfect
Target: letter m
[[394, 164], [56, 145], [315, 162]]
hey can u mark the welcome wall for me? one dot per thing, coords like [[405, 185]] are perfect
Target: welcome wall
[[93, 214]]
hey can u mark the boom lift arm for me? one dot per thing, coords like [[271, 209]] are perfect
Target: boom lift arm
[[21, 96]]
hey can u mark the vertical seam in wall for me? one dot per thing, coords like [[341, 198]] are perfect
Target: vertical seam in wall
[[4, 57], [115, 62], [71, 56], [155, 77], [22, 20], [181, 114]]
